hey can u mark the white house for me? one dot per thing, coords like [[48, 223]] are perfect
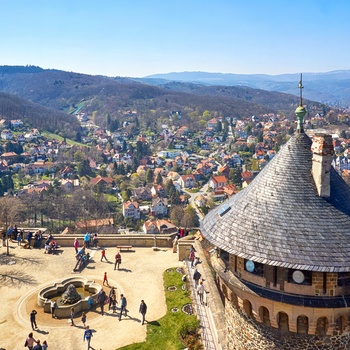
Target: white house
[[159, 206], [217, 181], [131, 210], [6, 135], [187, 181]]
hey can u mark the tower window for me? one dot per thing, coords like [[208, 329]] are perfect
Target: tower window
[[254, 267], [300, 277]]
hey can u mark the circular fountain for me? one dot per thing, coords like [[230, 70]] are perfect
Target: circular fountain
[[70, 292]]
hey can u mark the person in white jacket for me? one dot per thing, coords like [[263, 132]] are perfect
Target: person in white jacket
[[200, 291]]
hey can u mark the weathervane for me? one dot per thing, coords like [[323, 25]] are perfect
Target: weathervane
[[301, 87]]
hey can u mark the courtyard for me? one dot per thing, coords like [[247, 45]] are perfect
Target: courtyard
[[26, 271]]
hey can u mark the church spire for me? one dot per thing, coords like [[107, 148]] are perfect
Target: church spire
[[300, 111]]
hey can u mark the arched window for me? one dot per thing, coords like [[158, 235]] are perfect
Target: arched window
[[342, 322], [234, 300], [283, 321], [321, 326], [247, 307], [264, 315], [302, 324]]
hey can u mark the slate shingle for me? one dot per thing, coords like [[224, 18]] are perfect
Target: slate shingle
[[280, 218]]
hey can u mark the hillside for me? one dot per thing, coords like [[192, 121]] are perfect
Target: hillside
[[104, 96], [332, 88], [37, 116]]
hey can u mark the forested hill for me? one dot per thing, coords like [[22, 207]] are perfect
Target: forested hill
[[43, 118], [102, 96]]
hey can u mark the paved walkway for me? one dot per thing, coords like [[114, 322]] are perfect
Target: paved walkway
[[202, 310], [25, 272]]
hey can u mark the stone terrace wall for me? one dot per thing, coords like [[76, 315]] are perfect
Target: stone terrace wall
[[139, 240], [243, 333]]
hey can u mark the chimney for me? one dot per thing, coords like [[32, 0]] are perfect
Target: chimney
[[322, 148]]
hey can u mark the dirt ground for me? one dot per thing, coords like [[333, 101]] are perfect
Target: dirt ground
[[26, 271]]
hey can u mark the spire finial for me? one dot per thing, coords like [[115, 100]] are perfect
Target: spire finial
[[301, 87], [300, 111]]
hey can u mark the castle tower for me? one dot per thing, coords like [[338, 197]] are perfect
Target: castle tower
[[283, 266]]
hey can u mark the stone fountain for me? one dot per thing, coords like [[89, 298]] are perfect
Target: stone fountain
[[70, 296], [66, 295]]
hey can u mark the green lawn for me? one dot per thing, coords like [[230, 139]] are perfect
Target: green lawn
[[51, 135], [167, 332]]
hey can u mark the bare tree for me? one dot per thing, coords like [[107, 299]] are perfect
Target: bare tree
[[10, 208]]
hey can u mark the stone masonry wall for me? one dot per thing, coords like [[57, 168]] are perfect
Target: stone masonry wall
[[244, 333]]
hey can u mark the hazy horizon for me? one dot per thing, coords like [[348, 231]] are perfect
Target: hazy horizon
[[137, 39]]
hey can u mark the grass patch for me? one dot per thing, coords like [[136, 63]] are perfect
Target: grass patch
[[176, 330], [51, 135]]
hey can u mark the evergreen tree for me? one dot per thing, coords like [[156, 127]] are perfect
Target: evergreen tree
[[159, 179], [149, 175], [84, 167], [78, 136], [124, 148]]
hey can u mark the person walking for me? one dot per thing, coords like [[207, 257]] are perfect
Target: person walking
[[200, 291], [53, 308], [101, 299], [105, 279], [87, 240], [87, 336], [72, 313], [123, 304], [30, 341], [143, 310], [33, 320], [103, 254], [118, 260], [83, 319], [110, 297], [196, 277], [76, 245], [38, 346], [114, 303], [192, 257]]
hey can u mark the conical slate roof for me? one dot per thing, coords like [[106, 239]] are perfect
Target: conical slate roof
[[280, 220]]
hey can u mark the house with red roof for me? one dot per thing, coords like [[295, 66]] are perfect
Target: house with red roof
[[217, 181]]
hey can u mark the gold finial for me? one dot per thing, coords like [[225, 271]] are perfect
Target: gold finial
[[301, 87]]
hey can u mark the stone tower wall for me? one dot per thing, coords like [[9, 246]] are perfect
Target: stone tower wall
[[244, 333]]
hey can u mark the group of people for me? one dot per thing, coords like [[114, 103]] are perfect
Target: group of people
[[29, 342], [82, 258], [13, 234], [102, 299], [199, 287]]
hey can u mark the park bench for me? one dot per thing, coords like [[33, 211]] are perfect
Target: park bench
[[124, 247]]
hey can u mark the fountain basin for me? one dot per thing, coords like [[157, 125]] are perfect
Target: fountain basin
[[53, 292]]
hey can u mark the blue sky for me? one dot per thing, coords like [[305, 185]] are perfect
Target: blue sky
[[137, 37]]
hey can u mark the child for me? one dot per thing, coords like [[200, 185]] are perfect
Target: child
[[44, 345], [105, 279], [103, 254], [83, 319], [114, 303], [90, 301], [72, 313]]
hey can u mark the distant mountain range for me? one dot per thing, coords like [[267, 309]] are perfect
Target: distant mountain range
[[332, 88], [113, 98]]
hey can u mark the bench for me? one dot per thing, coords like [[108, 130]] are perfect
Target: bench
[[124, 247]]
